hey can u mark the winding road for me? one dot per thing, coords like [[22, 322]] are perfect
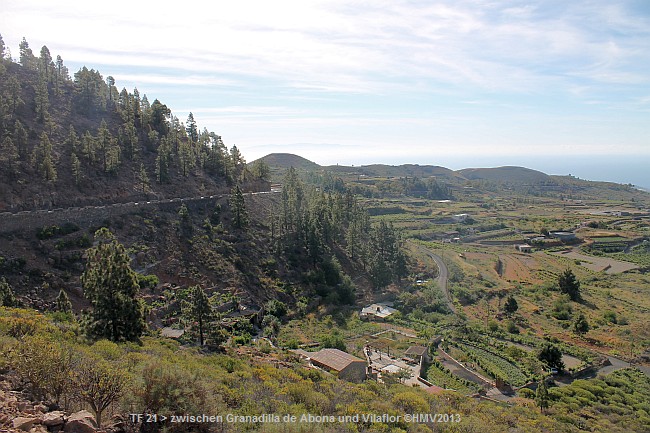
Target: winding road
[[443, 275]]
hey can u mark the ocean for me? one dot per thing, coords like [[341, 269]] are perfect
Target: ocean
[[620, 169]]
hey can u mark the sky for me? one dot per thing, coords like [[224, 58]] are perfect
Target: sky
[[458, 83]]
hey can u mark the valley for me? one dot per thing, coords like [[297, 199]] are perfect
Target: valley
[[147, 269]]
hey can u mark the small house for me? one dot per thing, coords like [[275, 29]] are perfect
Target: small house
[[376, 311], [345, 366], [524, 248], [417, 354]]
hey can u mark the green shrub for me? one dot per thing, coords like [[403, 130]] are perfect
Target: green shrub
[[526, 393]]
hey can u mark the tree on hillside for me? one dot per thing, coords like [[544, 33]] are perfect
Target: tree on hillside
[[552, 357], [541, 395], [60, 75], [20, 139], [199, 311], [43, 159], [7, 298], [581, 326], [27, 58], [75, 167], [63, 303], [191, 128], [569, 284], [261, 170], [42, 100], [9, 154], [112, 288], [238, 163], [143, 179], [238, 208], [159, 116], [46, 65], [90, 91], [13, 91], [511, 306]]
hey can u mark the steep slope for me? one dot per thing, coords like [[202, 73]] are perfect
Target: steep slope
[[75, 141]]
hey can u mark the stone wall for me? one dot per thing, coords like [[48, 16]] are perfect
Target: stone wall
[[95, 215]]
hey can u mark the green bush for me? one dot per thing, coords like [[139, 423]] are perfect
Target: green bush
[[526, 393]]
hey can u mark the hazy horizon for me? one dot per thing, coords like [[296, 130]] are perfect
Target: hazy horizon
[[390, 81], [608, 168]]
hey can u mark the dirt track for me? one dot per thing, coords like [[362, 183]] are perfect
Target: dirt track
[[598, 264]]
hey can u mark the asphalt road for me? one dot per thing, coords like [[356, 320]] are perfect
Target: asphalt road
[[443, 275]]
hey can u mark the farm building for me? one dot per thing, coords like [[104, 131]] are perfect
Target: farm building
[[564, 236], [376, 311], [461, 217], [417, 353], [346, 366], [524, 248]]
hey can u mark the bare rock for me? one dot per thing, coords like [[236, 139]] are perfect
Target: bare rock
[[25, 423], [81, 422], [41, 408], [24, 406], [53, 418]]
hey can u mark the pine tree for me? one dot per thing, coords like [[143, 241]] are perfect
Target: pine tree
[[237, 162], [63, 303], [44, 160], [20, 139], [7, 298], [103, 140], [569, 284], [191, 128], [9, 154], [511, 305], [42, 100], [75, 166], [46, 66], [73, 140], [143, 179], [14, 93], [185, 157], [27, 58], [199, 310], [112, 288], [238, 208], [541, 395], [61, 74], [581, 326], [261, 170]]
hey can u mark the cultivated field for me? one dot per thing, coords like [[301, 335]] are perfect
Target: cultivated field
[[598, 264]]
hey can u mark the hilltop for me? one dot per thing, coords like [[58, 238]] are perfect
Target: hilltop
[[508, 174], [286, 160]]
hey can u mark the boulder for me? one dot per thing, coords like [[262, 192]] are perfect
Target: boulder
[[81, 422], [53, 418], [25, 423], [41, 408]]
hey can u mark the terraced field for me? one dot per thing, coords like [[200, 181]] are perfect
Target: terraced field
[[598, 264], [495, 365]]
